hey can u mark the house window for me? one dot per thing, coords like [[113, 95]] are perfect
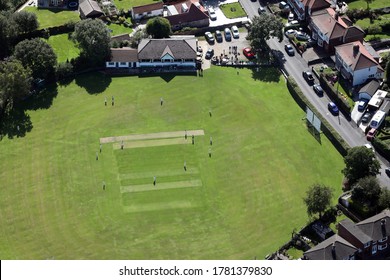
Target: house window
[[382, 247], [320, 43], [157, 60], [122, 63], [367, 245], [111, 63], [383, 240], [374, 249], [371, 76]]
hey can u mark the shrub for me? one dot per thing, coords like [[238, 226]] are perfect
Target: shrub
[[374, 29], [64, 70]]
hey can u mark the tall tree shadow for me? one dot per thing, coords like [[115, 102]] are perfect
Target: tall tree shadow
[[94, 83], [15, 123], [266, 74], [42, 99]]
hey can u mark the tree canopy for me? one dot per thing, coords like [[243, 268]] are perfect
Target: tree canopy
[[93, 39], [24, 22], [158, 27], [360, 162], [15, 82], [367, 190], [263, 28], [318, 199], [38, 55], [384, 199]]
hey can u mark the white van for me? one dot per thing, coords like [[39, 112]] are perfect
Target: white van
[[377, 119]]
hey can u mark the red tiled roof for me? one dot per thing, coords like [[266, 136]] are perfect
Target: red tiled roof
[[193, 14], [357, 60], [326, 21], [148, 8]]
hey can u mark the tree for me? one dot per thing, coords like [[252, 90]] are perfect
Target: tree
[[384, 199], [93, 39], [360, 162], [24, 22], [367, 191], [4, 38], [15, 81], [158, 27], [318, 199], [262, 29], [368, 3], [137, 37], [38, 55]]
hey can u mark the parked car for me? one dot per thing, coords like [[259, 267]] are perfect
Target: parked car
[[282, 5], [199, 49], [302, 36], [209, 37], [289, 49], [308, 76], [290, 16], [218, 36], [371, 134], [333, 108], [290, 33], [387, 171], [209, 53], [212, 13], [228, 34], [318, 90], [366, 117], [261, 10], [248, 53], [362, 105], [293, 22], [235, 32]]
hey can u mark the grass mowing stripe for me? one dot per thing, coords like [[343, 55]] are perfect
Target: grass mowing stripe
[[151, 143], [160, 179], [162, 186], [140, 175], [158, 135], [158, 206]]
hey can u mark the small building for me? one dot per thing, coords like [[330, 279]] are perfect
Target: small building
[[377, 99], [368, 90], [147, 11], [356, 64], [90, 9], [182, 16], [304, 8], [123, 58]]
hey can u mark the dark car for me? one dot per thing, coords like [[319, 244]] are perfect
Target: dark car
[[362, 105], [366, 117], [289, 49], [261, 10], [387, 171], [218, 36], [209, 54], [318, 89], [228, 34], [333, 108], [308, 76]]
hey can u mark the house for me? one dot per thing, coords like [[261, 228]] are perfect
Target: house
[[370, 236], [368, 239], [356, 64], [165, 54], [123, 58], [330, 30], [304, 8], [333, 248], [157, 55], [90, 9], [186, 14], [368, 90], [147, 11], [59, 4]]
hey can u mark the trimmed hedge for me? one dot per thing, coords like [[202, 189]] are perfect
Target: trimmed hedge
[[333, 136], [381, 147]]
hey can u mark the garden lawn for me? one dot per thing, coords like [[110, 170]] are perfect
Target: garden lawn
[[365, 23], [233, 10], [49, 18], [128, 4], [63, 47], [361, 4], [118, 29], [240, 203]]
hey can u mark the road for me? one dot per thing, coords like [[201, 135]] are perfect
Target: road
[[294, 66]]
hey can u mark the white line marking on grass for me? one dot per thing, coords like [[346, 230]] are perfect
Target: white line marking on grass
[[140, 175], [161, 186], [158, 135], [150, 143], [158, 206]]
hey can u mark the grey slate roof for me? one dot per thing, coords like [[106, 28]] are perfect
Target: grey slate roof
[[370, 88], [354, 230], [372, 226], [323, 251], [124, 55], [90, 8], [178, 48]]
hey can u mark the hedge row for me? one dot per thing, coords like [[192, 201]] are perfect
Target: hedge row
[[332, 93], [333, 136], [381, 147]]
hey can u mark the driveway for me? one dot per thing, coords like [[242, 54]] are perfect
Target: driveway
[[221, 19]]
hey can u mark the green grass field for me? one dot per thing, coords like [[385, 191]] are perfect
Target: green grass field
[[233, 10], [361, 4], [243, 201], [128, 4], [118, 29], [49, 18], [63, 47]]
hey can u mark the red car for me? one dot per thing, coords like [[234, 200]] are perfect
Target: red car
[[249, 53]]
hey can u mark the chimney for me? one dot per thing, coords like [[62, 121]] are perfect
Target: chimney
[[355, 50], [383, 226], [333, 251]]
